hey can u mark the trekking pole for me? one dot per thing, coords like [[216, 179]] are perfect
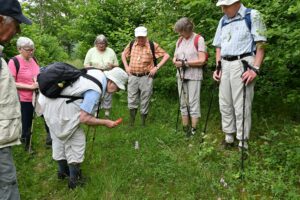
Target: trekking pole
[[245, 65], [218, 68], [181, 90], [32, 122], [95, 128]]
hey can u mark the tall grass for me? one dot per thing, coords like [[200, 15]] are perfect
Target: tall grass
[[167, 165]]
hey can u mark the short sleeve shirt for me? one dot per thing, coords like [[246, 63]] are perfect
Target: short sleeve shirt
[[28, 72], [187, 50], [141, 58], [99, 59], [235, 38], [90, 101]]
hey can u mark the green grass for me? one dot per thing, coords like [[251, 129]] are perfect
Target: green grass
[[167, 165]]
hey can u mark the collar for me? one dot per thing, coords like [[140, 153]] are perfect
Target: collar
[[240, 13], [146, 44]]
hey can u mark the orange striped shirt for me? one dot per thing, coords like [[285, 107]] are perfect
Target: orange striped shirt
[[141, 59]]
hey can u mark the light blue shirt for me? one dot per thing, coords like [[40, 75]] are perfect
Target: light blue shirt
[[90, 101], [235, 38]]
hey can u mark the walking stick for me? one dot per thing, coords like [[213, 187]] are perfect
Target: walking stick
[[32, 122], [218, 68], [184, 93], [95, 127], [245, 65]]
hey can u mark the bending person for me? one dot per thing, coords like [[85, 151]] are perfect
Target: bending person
[[64, 119]]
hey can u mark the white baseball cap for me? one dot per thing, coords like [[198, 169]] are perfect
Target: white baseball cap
[[226, 2], [118, 76], [140, 31]]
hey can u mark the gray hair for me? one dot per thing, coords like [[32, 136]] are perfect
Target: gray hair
[[7, 19], [184, 24], [101, 39], [24, 42]]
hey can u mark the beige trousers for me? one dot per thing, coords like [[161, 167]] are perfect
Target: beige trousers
[[71, 150], [231, 98], [139, 92]]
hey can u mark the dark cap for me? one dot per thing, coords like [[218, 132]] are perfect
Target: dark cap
[[13, 9]]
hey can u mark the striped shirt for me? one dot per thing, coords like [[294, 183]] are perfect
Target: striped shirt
[[141, 58], [235, 38]]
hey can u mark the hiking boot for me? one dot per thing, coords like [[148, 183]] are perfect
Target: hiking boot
[[63, 169], [143, 117], [132, 113], [76, 178], [193, 131], [226, 146], [62, 176]]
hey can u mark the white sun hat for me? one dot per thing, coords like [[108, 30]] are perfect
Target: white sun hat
[[140, 31], [118, 76], [226, 2]]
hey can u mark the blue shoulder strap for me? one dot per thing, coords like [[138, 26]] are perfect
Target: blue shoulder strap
[[247, 19]]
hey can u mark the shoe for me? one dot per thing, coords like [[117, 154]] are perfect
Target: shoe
[[226, 146], [62, 176]]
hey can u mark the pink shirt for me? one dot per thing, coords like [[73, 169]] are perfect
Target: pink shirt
[[27, 72]]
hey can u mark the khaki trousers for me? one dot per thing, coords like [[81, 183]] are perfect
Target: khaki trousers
[[231, 98], [139, 92], [71, 150]]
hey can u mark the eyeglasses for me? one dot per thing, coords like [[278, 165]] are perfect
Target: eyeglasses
[[28, 50]]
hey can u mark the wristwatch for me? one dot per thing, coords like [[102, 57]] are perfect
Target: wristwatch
[[255, 69]]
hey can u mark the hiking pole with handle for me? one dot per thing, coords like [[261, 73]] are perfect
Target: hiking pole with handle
[[245, 66], [184, 93], [218, 68], [95, 128], [181, 90]]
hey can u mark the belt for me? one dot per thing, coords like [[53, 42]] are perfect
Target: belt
[[140, 74], [233, 58]]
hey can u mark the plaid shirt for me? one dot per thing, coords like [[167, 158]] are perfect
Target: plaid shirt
[[141, 58]]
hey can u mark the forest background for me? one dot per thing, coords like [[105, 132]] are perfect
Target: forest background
[[63, 30]]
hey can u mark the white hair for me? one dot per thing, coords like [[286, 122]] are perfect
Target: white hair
[[101, 38], [7, 19], [24, 42]]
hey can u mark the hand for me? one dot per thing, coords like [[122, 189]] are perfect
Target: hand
[[110, 123], [153, 71], [118, 121], [217, 75], [248, 76], [110, 65], [127, 69], [34, 86]]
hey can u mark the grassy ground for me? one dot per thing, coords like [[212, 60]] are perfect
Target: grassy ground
[[167, 165]]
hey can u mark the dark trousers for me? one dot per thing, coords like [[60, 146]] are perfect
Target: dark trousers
[[27, 115], [8, 179]]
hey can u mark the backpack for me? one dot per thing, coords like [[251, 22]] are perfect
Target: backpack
[[57, 76], [196, 41], [248, 22], [151, 43]]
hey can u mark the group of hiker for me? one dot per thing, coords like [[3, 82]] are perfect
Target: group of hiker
[[239, 43]]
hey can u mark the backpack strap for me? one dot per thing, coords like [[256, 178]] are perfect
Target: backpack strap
[[247, 19], [196, 41], [93, 79], [151, 43], [130, 45]]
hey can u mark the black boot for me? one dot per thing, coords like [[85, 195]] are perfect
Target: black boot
[[132, 116], [143, 117], [75, 176], [63, 169], [187, 130]]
